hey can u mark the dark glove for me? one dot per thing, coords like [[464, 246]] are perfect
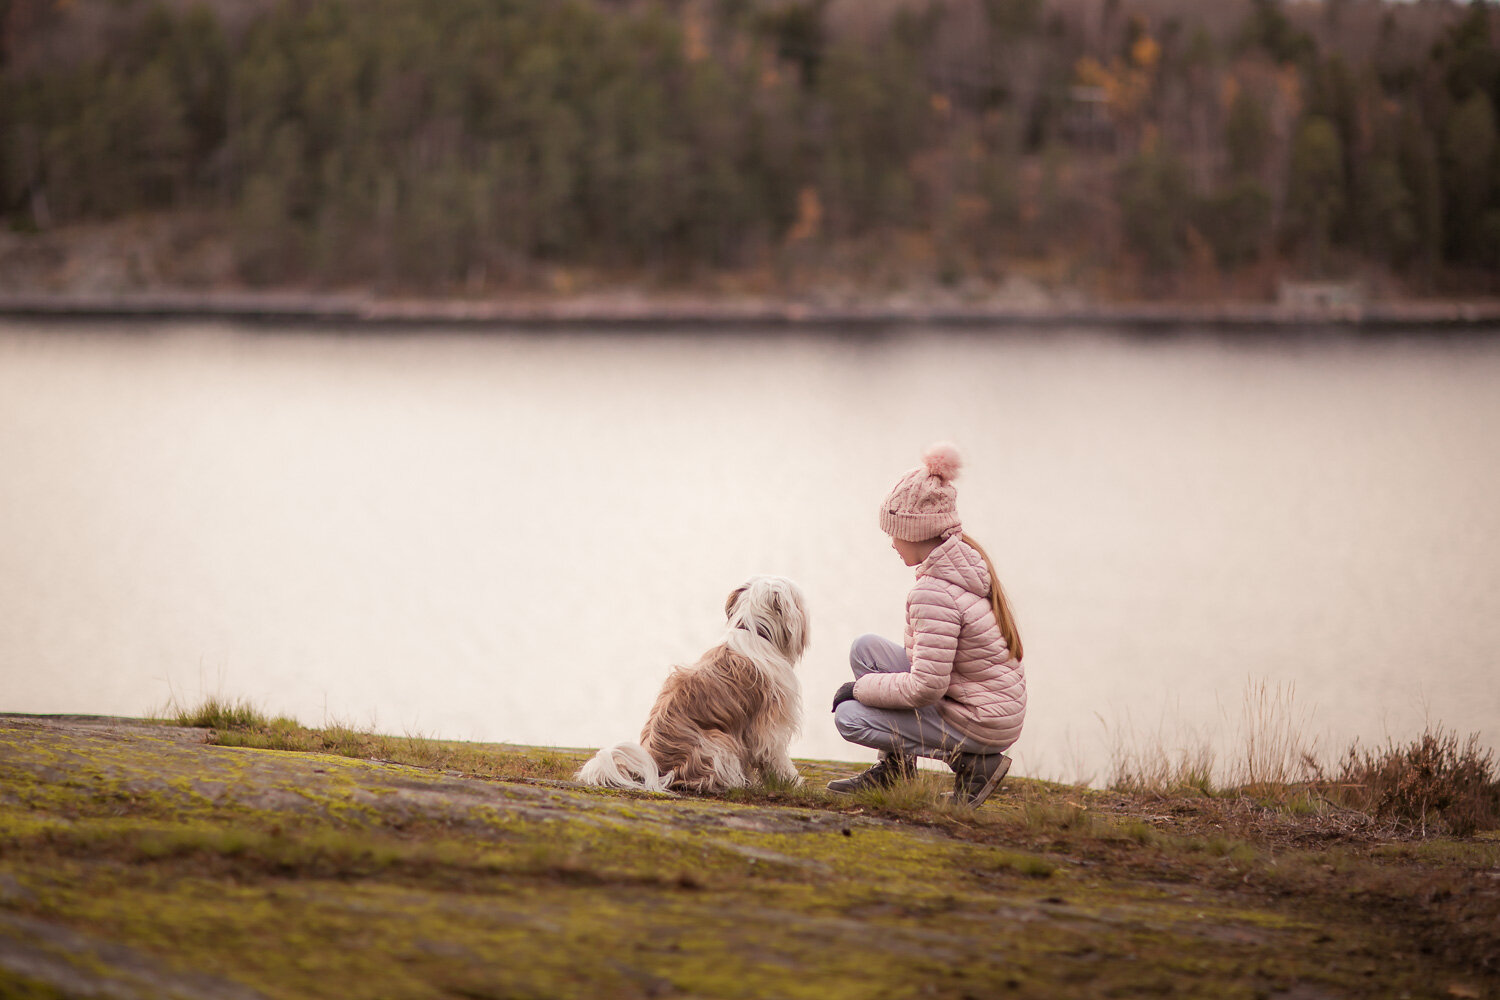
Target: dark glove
[[843, 694]]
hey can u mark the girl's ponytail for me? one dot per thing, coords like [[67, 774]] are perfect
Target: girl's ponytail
[[1003, 617]]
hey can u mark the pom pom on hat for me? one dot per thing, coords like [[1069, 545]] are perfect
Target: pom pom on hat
[[943, 460], [924, 503]]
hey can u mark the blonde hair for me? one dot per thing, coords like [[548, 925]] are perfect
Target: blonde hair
[[998, 604]]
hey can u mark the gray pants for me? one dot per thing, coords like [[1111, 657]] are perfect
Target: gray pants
[[911, 732]]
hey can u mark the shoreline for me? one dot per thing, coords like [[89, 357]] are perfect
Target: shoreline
[[633, 312]]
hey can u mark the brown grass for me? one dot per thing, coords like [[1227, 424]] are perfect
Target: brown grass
[[1434, 784], [1272, 740]]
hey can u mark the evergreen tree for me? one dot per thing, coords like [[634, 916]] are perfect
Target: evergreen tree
[[1469, 165], [1154, 210], [1469, 56], [1269, 29], [1417, 157], [453, 144], [151, 138], [1236, 221], [1316, 197], [1247, 134], [1388, 212]]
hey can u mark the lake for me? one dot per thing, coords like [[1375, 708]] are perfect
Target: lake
[[513, 536]]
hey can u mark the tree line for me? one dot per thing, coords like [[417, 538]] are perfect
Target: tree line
[[464, 143]]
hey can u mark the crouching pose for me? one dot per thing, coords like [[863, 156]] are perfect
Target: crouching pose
[[731, 715], [956, 690]]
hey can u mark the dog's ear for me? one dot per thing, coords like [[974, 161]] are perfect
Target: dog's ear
[[734, 599], [773, 627]]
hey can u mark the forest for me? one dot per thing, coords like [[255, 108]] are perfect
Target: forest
[[1139, 148]]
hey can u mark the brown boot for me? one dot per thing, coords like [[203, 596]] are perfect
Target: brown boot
[[889, 769], [975, 776]]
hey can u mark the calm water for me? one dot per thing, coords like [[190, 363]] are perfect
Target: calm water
[[513, 537]]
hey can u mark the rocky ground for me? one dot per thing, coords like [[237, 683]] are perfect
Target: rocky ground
[[142, 860]]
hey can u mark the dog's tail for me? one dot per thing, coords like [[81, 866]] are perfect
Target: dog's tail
[[624, 765]]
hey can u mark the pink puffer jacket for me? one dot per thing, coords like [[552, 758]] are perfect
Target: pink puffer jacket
[[959, 660]]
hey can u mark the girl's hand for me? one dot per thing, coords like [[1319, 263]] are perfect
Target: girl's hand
[[843, 694]]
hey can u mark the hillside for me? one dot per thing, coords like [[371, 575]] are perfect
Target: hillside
[[138, 860], [1119, 150]]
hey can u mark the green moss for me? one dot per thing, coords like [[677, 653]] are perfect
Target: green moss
[[18, 987], [1029, 865], [1477, 854], [1139, 833]]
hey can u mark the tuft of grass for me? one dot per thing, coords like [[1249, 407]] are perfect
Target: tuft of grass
[[1028, 865], [1242, 857], [1273, 732], [215, 712], [922, 793], [1053, 817], [1034, 867], [783, 793], [1151, 764], [1300, 801], [1138, 832]]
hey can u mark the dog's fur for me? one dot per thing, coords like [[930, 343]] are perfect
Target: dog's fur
[[728, 716]]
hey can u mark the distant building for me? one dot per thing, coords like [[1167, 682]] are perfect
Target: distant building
[[1321, 296]]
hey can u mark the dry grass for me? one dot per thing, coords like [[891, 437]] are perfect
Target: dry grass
[[928, 794], [1434, 784], [1047, 817], [1273, 732], [216, 712], [1151, 762], [1271, 736]]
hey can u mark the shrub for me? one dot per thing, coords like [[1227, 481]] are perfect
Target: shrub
[[1432, 783]]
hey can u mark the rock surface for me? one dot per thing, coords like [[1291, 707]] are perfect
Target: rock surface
[[138, 860]]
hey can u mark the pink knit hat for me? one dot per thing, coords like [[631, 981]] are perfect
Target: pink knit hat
[[924, 503]]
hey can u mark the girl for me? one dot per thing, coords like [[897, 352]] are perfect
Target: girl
[[957, 691]]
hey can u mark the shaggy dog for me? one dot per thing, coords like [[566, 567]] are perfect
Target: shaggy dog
[[731, 714]]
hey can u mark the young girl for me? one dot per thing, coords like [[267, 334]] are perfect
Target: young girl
[[957, 691]]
